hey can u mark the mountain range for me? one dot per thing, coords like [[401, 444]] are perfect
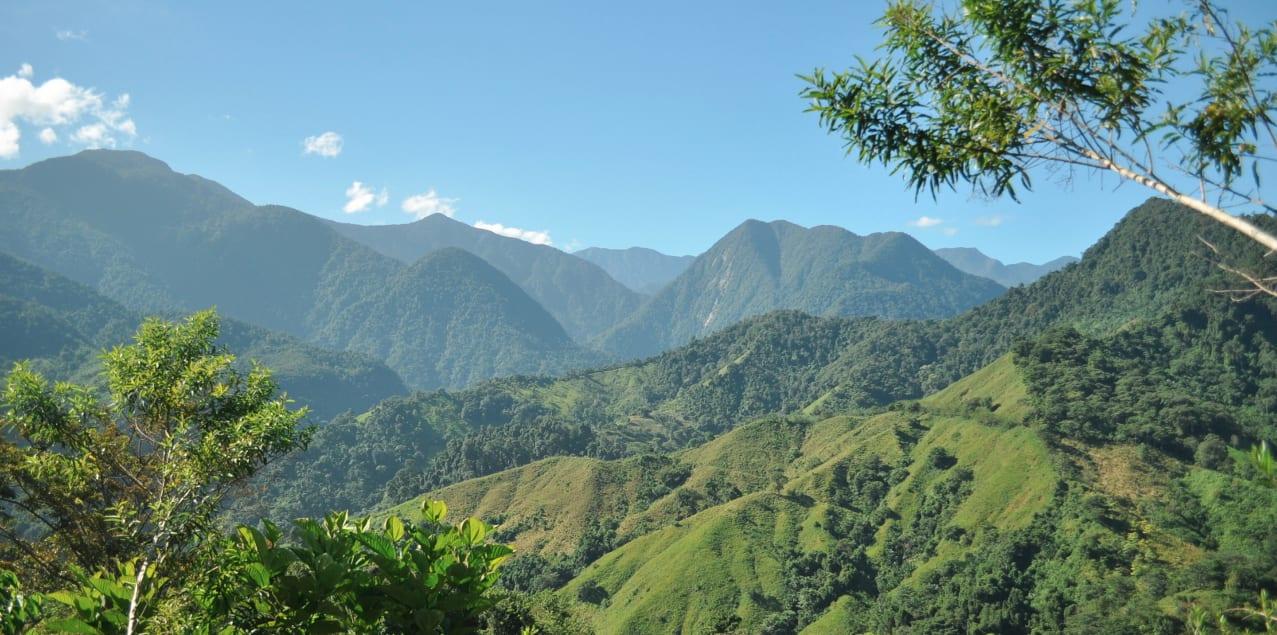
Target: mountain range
[[130, 228], [974, 262], [1074, 478], [61, 326], [153, 240], [583, 298], [827, 271], [799, 430]]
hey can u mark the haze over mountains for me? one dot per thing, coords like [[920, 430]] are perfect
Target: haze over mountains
[[639, 268], [127, 226], [580, 295], [154, 240], [829, 271], [1052, 420], [61, 326], [974, 262], [801, 429]]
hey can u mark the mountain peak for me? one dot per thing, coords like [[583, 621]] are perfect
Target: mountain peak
[[975, 262], [121, 161]]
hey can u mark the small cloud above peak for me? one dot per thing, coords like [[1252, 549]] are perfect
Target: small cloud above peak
[[532, 236], [327, 144], [67, 35], [926, 222], [57, 103], [361, 198], [427, 203], [993, 220]]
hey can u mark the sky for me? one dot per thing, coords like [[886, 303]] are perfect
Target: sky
[[661, 124]]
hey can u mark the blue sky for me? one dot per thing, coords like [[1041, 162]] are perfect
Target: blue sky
[[653, 123]]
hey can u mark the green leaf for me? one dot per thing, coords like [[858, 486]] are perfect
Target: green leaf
[[379, 544], [434, 511], [71, 626], [395, 528], [473, 530], [259, 574]]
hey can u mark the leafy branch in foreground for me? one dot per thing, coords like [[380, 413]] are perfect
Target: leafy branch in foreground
[[344, 576], [987, 94], [86, 484]]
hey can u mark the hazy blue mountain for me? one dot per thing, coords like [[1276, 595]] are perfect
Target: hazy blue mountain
[[474, 319], [826, 271], [157, 241], [974, 262], [639, 268], [62, 326], [580, 295]]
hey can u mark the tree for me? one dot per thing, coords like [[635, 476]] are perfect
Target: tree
[[132, 482], [985, 95]]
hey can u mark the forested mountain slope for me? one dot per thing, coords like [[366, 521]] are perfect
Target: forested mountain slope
[[62, 326], [1004, 503], [580, 295], [783, 362], [825, 271], [476, 321], [157, 241], [639, 268], [974, 262]]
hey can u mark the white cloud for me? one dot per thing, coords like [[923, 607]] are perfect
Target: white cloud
[[925, 222], [327, 144], [67, 34], [950, 231], [425, 204], [48, 136], [361, 198], [534, 237], [58, 103], [991, 221]]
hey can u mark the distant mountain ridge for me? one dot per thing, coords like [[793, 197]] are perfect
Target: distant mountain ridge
[[157, 241], [639, 268], [580, 295], [975, 262], [824, 270], [62, 326]]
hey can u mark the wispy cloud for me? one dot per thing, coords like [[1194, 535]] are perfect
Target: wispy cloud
[[68, 34], [925, 222], [427, 203], [990, 221], [950, 231], [534, 237], [48, 136], [58, 103], [361, 198], [327, 144]]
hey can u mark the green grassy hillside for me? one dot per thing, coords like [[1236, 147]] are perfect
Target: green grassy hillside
[[975, 507], [790, 363]]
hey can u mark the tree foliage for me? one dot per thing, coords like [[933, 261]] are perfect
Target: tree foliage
[[986, 94]]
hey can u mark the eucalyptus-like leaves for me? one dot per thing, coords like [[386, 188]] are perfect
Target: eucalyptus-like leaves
[[984, 95]]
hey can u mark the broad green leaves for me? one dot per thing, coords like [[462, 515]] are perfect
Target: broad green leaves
[[344, 576]]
